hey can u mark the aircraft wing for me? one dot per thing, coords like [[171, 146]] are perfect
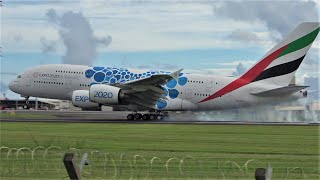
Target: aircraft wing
[[157, 79], [282, 91], [147, 91]]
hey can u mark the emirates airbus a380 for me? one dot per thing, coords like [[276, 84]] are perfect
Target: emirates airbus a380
[[161, 91]]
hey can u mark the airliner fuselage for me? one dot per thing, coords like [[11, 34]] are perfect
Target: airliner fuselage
[[185, 93]]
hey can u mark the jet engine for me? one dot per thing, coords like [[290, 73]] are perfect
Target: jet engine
[[80, 98], [105, 94]]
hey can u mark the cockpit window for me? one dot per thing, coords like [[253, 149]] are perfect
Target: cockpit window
[[19, 76]]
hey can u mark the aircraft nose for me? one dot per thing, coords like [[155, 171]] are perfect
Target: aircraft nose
[[12, 86]]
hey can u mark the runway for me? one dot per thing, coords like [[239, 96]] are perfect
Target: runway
[[120, 117]]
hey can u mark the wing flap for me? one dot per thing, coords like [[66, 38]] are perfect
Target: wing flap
[[147, 91]]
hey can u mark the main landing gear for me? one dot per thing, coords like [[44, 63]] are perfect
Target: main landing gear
[[158, 115], [27, 104]]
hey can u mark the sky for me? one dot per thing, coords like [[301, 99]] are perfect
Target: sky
[[222, 38]]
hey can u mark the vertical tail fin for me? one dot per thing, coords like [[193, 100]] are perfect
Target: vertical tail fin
[[279, 65]]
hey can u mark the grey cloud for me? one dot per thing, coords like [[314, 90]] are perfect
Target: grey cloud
[[8, 73], [52, 16], [240, 70], [159, 66], [280, 16], [37, 2], [104, 40], [313, 82], [242, 35], [78, 37], [312, 58], [3, 87], [17, 38], [166, 67], [144, 67], [47, 46]]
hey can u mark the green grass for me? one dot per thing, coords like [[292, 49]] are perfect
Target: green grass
[[210, 148]]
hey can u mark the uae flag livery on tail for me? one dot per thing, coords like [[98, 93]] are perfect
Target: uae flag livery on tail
[[279, 65]]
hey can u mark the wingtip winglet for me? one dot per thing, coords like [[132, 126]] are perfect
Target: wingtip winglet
[[175, 75]]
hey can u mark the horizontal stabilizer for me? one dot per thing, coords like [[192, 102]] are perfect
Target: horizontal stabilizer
[[283, 91]]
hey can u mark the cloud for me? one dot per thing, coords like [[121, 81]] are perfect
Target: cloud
[[52, 16], [148, 67], [212, 71], [37, 2], [310, 65], [312, 57], [279, 16], [234, 63], [156, 26], [157, 66], [3, 87], [164, 66], [313, 82], [78, 37], [47, 46], [8, 73], [240, 70], [17, 38], [241, 35]]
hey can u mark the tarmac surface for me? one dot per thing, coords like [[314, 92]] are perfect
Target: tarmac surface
[[120, 117]]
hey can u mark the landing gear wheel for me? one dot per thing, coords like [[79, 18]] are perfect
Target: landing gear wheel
[[138, 116], [146, 117], [153, 117], [130, 117], [26, 106], [159, 117]]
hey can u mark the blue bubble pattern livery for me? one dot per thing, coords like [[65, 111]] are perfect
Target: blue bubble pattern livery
[[108, 75]]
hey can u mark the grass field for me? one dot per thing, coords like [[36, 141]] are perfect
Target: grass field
[[158, 151]]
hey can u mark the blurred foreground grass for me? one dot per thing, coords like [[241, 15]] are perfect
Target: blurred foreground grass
[[160, 151]]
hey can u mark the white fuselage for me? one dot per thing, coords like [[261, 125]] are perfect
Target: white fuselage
[[60, 81]]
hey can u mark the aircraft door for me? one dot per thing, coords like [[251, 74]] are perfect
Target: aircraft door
[[68, 84], [28, 82], [209, 85], [188, 93]]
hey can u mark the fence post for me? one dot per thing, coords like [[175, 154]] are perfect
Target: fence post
[[260, 174], [263, 173], [72, 168]]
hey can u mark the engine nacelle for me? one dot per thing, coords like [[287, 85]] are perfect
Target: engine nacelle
[[80, 98], [105, 94]]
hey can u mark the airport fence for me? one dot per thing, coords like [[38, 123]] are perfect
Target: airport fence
[[46, 162]]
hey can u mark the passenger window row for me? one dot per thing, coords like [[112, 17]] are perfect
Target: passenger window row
[[201, 82], [71, 72], [197, 94], [86, 85], [47, 82]]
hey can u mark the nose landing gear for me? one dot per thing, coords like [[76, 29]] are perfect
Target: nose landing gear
[[26, 105]]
